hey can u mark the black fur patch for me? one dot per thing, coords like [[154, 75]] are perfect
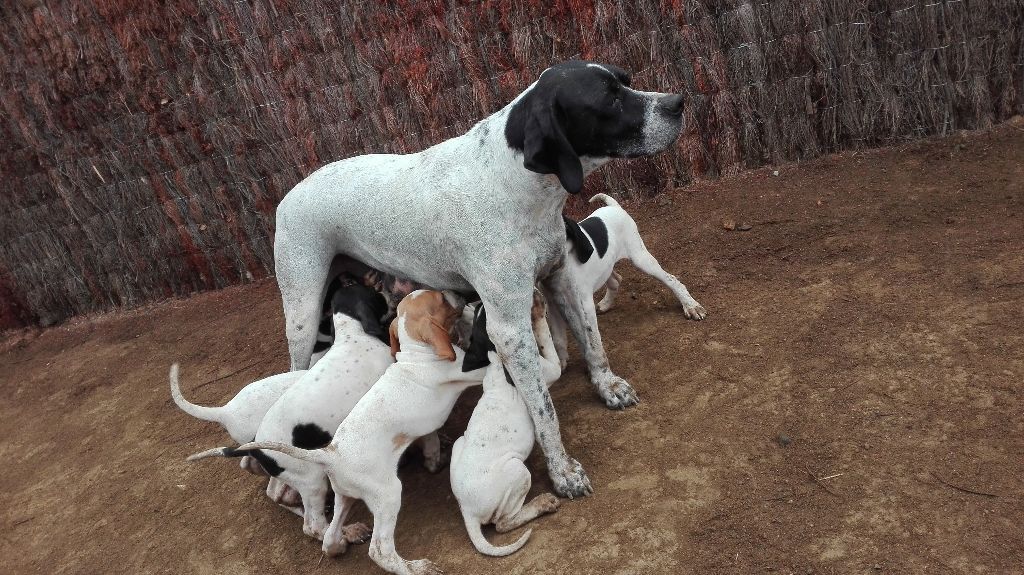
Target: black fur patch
[[364, 304], [580, 243], [310, 436], [268, 463], [598, 233], [479, 343]]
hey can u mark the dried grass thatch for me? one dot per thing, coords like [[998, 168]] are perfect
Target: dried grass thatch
[[145, 144]]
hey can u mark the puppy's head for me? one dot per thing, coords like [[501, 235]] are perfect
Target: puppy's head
[[362, 303], [427, 316], [582, 109]]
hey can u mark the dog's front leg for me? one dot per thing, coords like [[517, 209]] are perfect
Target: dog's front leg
[[509, 327], [578, 311]]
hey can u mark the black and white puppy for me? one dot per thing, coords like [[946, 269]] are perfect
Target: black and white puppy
[[597, 243], [311, 409]]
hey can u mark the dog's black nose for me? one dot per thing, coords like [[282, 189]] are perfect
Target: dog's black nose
[[672, 105]]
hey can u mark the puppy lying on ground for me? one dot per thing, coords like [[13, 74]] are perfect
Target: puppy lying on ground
[[413, 399], [600, 241], [488, 474], [321, 399], [241, 416]]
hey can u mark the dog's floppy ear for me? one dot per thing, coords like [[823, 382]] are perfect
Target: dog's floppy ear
[[454, 299], [479, 343], [396, 346], [580, 242], [535, 125], [432, 334]]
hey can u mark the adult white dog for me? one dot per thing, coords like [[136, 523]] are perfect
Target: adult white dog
[[481, 212]]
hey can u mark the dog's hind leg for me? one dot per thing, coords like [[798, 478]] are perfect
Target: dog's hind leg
[[302, 278], [384, 502], [511, 513], [339, 535], [647, 263], [578, 310], [611, 289]]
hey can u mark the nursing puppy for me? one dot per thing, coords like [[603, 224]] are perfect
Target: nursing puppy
[[412, 399], [489, 476], [321, 399], [241, 416], [598, 242]]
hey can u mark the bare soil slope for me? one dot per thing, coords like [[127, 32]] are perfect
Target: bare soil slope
[[851, 405]]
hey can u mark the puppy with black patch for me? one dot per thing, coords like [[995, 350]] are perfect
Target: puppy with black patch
[[489, 476], [605, 237], [413, 399], [312, 408]]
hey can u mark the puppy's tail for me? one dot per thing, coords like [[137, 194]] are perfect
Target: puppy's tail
[[484, 546], [217, 452], [311, 455], [605, 198], [197, 411]]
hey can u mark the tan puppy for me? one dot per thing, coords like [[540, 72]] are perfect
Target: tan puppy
[[413, 398]]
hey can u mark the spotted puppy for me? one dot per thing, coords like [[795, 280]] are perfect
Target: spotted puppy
[[604, 238], [241, 418], [321, 399], [414, 398], [488, 472]]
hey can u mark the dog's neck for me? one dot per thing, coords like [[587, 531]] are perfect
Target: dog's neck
[[414, 351], [345, 325]]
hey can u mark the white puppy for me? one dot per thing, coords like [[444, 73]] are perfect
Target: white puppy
[[241, 416], [604, 238], [412, 399], [488, 470], [315, 405]]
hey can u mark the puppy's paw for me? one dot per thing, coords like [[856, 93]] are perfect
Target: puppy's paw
[[356, 533], [616, 393], [335, 548], [603, 307], [572, 482], [548, 503], [423, 567], [695, 312]]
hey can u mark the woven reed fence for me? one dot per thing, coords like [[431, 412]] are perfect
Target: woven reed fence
[[145, 144]]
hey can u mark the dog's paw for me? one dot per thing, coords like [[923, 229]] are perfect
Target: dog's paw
[[573, 481], [315, 532], [603, 307], [335, 548], [356, 533], [695, 312], [617, 393], [548, 503], [423, 567]]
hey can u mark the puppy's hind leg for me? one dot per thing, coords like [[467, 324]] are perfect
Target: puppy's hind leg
[[611, 289], [513, 514], [643, 260], [384, 502]]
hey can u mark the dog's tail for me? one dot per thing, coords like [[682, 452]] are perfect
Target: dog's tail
[[605, 198], [217, 452], [484, 546], [311, 455], [197, 411]]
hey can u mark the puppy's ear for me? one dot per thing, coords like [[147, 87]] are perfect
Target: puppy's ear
[[439, 340], [479, 343], [535, 125], [396, 346], [454, 299], [580, 242]]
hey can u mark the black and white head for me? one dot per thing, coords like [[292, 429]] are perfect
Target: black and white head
[[364, 304], [579, 111]]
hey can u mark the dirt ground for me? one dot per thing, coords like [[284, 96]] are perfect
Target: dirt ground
[[871, 317]]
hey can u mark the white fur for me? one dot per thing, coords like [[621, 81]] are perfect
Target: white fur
[[465, 215], [624, 242], [489, 476], [412, 399], [323, 396]]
